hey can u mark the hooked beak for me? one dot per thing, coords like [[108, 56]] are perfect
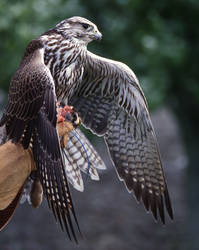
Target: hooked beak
[[97, 36]]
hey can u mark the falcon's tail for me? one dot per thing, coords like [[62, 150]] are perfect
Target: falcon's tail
[[79, 154]]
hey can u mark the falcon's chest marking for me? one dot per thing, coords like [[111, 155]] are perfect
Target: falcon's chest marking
[[63, 58]]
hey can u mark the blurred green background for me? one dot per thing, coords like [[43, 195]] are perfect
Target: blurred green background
[[159, 40]]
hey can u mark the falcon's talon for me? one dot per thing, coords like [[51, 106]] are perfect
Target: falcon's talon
[[78, 122], [67, 113]]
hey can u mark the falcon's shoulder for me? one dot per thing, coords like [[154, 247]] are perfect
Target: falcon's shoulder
[[28, 84], [27, 91]]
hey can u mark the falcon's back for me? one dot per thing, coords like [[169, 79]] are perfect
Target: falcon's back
[[26, 94]]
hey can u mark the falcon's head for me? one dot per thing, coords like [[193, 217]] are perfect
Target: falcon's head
[[79, 28]]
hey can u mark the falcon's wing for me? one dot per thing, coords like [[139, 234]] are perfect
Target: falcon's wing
[[26, 95], [79, 154], [111, 103], [31, 117]]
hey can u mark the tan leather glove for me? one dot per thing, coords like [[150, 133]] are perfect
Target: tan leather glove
[[16, 164]]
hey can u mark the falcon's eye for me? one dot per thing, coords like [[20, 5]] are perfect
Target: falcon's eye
[[85, 25]]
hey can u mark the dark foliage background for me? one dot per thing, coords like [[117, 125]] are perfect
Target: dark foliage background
[[159, 41]]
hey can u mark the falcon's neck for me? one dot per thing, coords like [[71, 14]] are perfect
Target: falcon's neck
[[64, 58]]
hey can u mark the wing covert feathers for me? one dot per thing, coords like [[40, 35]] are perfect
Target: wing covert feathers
[[25, 98]]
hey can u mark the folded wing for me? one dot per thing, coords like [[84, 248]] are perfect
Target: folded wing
[[30, 119]]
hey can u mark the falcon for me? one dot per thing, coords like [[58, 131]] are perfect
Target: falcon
[[106, 94]]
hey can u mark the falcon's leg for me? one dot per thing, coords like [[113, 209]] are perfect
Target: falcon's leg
[[36, 193]]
